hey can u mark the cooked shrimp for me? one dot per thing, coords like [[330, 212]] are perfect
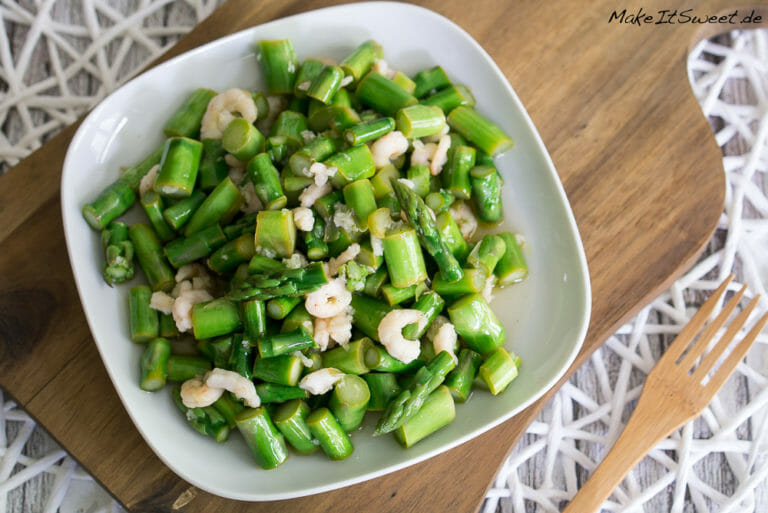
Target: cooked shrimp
[[242, 387], [321, 381], [303, 218], [440, 156], [148, 180], [321, 173], [321, 333], [223, 108], [329, 300], [487, 291], [312, 193], [390, 332], [195, 393], [388, 147], [443, 336], [422, 153], [199, 275], [464, 217], [182, 307], [295, 261]]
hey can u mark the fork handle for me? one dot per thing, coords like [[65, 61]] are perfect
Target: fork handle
[[634, 442]]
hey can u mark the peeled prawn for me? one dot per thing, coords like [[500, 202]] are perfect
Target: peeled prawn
[[329, 300], [196, 393], [321, 381], [223, 108], [242, 387], [390, 333], [388, 147]]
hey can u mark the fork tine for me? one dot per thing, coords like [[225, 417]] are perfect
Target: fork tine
[[709, 333], [697, 321], [730, 363], [709, 361]]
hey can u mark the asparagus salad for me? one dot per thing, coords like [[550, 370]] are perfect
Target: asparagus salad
[[309, 254]]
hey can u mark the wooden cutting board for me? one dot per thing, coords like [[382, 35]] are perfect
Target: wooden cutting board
[[638, 161]]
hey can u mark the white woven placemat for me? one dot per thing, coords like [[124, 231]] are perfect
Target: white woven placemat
[[57, 58]]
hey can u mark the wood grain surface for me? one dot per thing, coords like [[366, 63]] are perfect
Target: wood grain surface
[[637, 159]]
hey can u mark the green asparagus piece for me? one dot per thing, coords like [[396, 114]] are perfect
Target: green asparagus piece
[[241, 356], [185, 122], [290, 419], [388, 363], [451, 235], [288, 282], [473, 281], [367, 314], [168, 328], [266, 182], [382, 181], [478, 130], [118, 253], [279, 307], [349, 401], [275, 232], [476, 323], [150, 256], [354, 163], [178, 167], [143, 321], [217, 350], [254, 315], [455, 175], [404, 81], [416, 121], [154, 364], [421, 177], [261, 264], [487, 253], [408, 403], [278, 64], [431, 305], [206, 421], [430, 79], [220, 206], [316, 150], [358, 195], [486, 193], [213, 168], [178, 214], [215, 318], [232, 254], [327, 430], [243, 140], [228, 407], [184, 367], [266, 443], [439, 201], [382, 94], [396, 295], [421, 219], [298, 317], [460, 379], [153, 206], [198, 245], [284, 369], [292, 125], [367, 131], [438, 411], [324, 86], [133, 175], [512, 267], [403, 256], [359, 62], [285, 343], [317, 249], [450, 97], [111, 203], [274, 393], [499, 369], [308, 70], [357, 358], [375, 281], [383, 387]]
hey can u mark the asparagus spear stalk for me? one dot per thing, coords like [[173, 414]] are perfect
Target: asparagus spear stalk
[[460, 379], [476, 323], [118, 252], [512, 267], [430, 304], [421, 219], [327, 430], [450, 97], [408, 403], [215, 318], [185, 122], [369, 130], [499, 369], [261, 436], [288, 282], [349, 401], [220, 206], [279, 65], [290, 419], [274, 393], [143, 321], [243, 140], [213, 168], [438, 411], [153, 206], [430, 79], [241, 356], [276, 232], [405, 261], [232, 254], [198, 245], [487, 253], [383, 387], [486, 192], [285, 343], [178, 167], [150, 256], [254, 314], [284, 369], [359, 62], [183, 367], [178, 214], [357, 358], [154, 364]]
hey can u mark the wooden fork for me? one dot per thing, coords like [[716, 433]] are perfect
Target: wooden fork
[[674, 393]]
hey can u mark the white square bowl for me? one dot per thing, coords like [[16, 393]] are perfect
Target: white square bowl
[[546, 316]]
